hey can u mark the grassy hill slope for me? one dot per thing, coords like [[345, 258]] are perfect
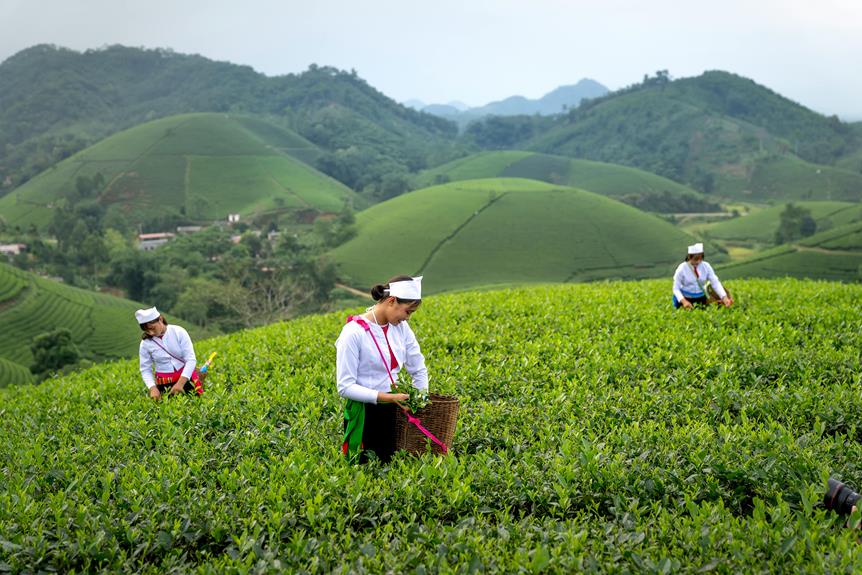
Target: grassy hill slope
[[103, 326], [834, 254], [500, 231], [55, 101], [195, 166], [619, 182], [599, 431], [760, 226]]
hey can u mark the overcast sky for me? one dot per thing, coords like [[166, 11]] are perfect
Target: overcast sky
[[482, 50]]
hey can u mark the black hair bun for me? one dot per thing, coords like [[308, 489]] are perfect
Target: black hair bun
[[377, 292]]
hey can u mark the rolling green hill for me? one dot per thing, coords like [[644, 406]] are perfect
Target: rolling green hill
[[834, 254], [198, 167], [718, 132], [786, 178], [599, 432], [103, 326], [55, 101], [619, 182], [504, 231], [760, 226]]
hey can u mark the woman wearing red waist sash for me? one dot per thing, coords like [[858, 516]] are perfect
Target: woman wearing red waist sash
[[168, 349]]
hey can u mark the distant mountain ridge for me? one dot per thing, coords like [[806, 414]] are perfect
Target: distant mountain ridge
[[556, 101], [718, 132]]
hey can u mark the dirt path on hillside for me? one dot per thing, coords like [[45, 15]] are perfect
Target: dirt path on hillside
[[684, 217], [820, 250], [354, 291]]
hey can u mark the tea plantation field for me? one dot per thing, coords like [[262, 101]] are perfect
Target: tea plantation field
[[499, 231], [600, 431], [202, 166], [760, 226], [611, 180], [834, 254]]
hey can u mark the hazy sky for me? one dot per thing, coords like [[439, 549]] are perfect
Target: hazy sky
[[483, 50]]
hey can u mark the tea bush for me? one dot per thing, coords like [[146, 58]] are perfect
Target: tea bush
[[600, 431]]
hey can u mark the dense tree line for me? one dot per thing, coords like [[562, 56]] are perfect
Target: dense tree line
[[207, 279], [55, 101], [506, 132], [668, 203]]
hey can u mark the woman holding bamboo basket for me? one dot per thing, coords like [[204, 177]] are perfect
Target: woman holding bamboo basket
[[371, 350]]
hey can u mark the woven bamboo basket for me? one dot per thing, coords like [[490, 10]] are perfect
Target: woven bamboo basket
[[439, 418]]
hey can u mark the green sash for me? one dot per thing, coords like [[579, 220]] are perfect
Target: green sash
[[354, 415]]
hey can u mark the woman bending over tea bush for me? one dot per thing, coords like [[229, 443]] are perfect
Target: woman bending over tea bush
[[169, 349], [691, 278], [370, 351]]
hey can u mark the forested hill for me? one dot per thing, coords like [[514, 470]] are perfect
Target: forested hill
[[712, 131], [54, 101]]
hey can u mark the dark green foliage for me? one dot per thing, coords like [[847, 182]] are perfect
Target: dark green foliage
[[334, 232], [812, 136], [666, 202], [136, 272], [506, 132], [796, 223], [53, 350]]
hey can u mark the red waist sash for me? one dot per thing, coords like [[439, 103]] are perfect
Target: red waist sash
[[170, 378]]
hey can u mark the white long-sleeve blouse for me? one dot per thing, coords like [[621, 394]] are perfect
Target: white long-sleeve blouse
[[360, 370], [685, 284], [175, 340]]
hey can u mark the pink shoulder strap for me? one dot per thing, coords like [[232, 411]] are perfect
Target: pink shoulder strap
[[167, 352], [367, 328]]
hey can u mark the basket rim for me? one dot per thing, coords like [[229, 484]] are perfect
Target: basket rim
[[438, 398]]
